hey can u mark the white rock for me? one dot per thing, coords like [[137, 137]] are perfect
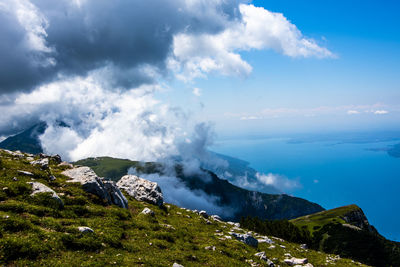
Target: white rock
[[295, 261], [26, 173], [141, 189], [176, 265], [91, 183], [147, 211], [262, 256], [38, 188], [265, 240], [42, 163], [216, 218], [203, 213], [85, 229]]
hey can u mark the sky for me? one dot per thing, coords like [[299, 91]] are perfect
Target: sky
[[356, 90], [139, 79]]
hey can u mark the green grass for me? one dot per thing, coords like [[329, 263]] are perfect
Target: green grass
[[316, 221], [34, 232]]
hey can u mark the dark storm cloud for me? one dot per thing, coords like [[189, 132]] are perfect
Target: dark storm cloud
[[80, 36]]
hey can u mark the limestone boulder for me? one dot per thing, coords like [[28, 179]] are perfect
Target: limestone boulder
[[141, 189]]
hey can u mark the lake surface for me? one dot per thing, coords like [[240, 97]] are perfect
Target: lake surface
[[331, 174]]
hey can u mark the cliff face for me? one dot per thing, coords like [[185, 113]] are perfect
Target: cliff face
[[357, 218]]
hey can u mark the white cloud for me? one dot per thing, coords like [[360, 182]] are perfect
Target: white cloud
[[278, 181], [381, 112], [195, 55], [352, 112], [196, 91]]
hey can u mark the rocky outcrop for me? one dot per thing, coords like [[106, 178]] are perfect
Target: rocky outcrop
[[38, 188], [357, 218], [245, 238], [141, 189], [91, 183]]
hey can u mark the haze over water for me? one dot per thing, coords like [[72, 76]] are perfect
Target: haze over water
[[331, 173]]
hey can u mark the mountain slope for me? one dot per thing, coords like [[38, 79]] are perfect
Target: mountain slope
[[26, 141], [244, 202], [36, 231], [347, 232]]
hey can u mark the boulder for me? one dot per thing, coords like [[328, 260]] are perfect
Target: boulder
[[38, 188], [147, 211], [204, 214], [141, 189], [42, 163], [91, 183], [245, 238], [176, 265], [85, 229]]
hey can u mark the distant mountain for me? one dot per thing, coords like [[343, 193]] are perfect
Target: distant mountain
[[26, 141], [346, 231], [244, 202]]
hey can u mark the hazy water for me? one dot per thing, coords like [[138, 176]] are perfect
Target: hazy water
[[331, 175]]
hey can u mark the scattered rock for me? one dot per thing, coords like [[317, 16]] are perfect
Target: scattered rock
[[204, 214], [295, 261], [245, 238], [17, 153], [91, 183], [216, 218], [271, 247], [30, 158], [141, 189], [15, 179], [85, 229], [147, 211], [176, 265], [213, 248], [41, 188], [43, 163], [262, 256], [265, 239]]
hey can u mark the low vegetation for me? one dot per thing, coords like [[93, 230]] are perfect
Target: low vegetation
[[35, 231]]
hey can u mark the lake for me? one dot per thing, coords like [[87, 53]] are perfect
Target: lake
[[331, 174]]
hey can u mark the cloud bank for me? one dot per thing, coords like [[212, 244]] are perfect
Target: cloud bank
[[96, 66]]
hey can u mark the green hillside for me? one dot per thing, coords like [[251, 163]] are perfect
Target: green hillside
[[347, 232], [37, 230]]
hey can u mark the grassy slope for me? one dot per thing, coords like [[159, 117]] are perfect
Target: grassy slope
[[35, 231], [330, 235], [316, 221]]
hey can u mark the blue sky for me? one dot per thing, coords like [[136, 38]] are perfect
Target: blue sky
[[363, 79]]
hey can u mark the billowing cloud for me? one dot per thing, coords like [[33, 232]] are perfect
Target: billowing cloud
[[136, 42], [195, 55], [44, 39]]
